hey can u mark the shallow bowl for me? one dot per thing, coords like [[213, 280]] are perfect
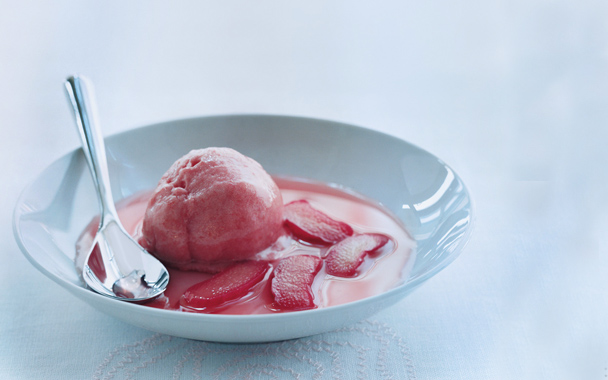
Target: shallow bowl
[[418, 188]]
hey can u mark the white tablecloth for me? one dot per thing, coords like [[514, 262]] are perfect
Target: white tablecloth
[[513, 95]]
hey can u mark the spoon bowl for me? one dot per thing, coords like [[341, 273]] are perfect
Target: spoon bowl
[[132, 275], [116, 266]]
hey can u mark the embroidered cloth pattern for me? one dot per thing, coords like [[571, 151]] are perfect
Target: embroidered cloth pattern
[[361, 351]]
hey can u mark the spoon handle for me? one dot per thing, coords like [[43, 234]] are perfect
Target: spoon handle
[[80, 95]]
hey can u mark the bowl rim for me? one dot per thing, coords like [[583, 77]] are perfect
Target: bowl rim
[[408, 285]]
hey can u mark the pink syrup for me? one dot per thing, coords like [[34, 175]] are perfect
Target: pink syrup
[[379, 272]]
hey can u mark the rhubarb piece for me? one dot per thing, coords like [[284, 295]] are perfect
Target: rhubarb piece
[[344, 258], [313, 226], [291, 284], [233, 282]]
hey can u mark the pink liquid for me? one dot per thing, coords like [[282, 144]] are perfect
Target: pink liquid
[[380, 271]]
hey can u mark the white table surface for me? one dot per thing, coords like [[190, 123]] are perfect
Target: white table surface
[[512, 94]]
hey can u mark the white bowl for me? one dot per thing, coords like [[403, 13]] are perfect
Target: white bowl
[[417, 187]]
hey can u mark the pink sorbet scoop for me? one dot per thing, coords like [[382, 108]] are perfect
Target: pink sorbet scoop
[[212, 207]]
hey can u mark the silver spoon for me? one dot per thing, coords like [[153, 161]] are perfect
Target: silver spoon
[[116, 266]]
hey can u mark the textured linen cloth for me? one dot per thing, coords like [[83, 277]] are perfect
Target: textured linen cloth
[[512, 95]]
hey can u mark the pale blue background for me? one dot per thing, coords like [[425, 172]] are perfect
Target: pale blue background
[[512, 94]]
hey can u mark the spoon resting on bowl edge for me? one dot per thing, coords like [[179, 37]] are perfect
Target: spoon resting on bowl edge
[[116, 266]]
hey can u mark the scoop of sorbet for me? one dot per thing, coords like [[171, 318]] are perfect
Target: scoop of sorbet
[[212, 207]]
